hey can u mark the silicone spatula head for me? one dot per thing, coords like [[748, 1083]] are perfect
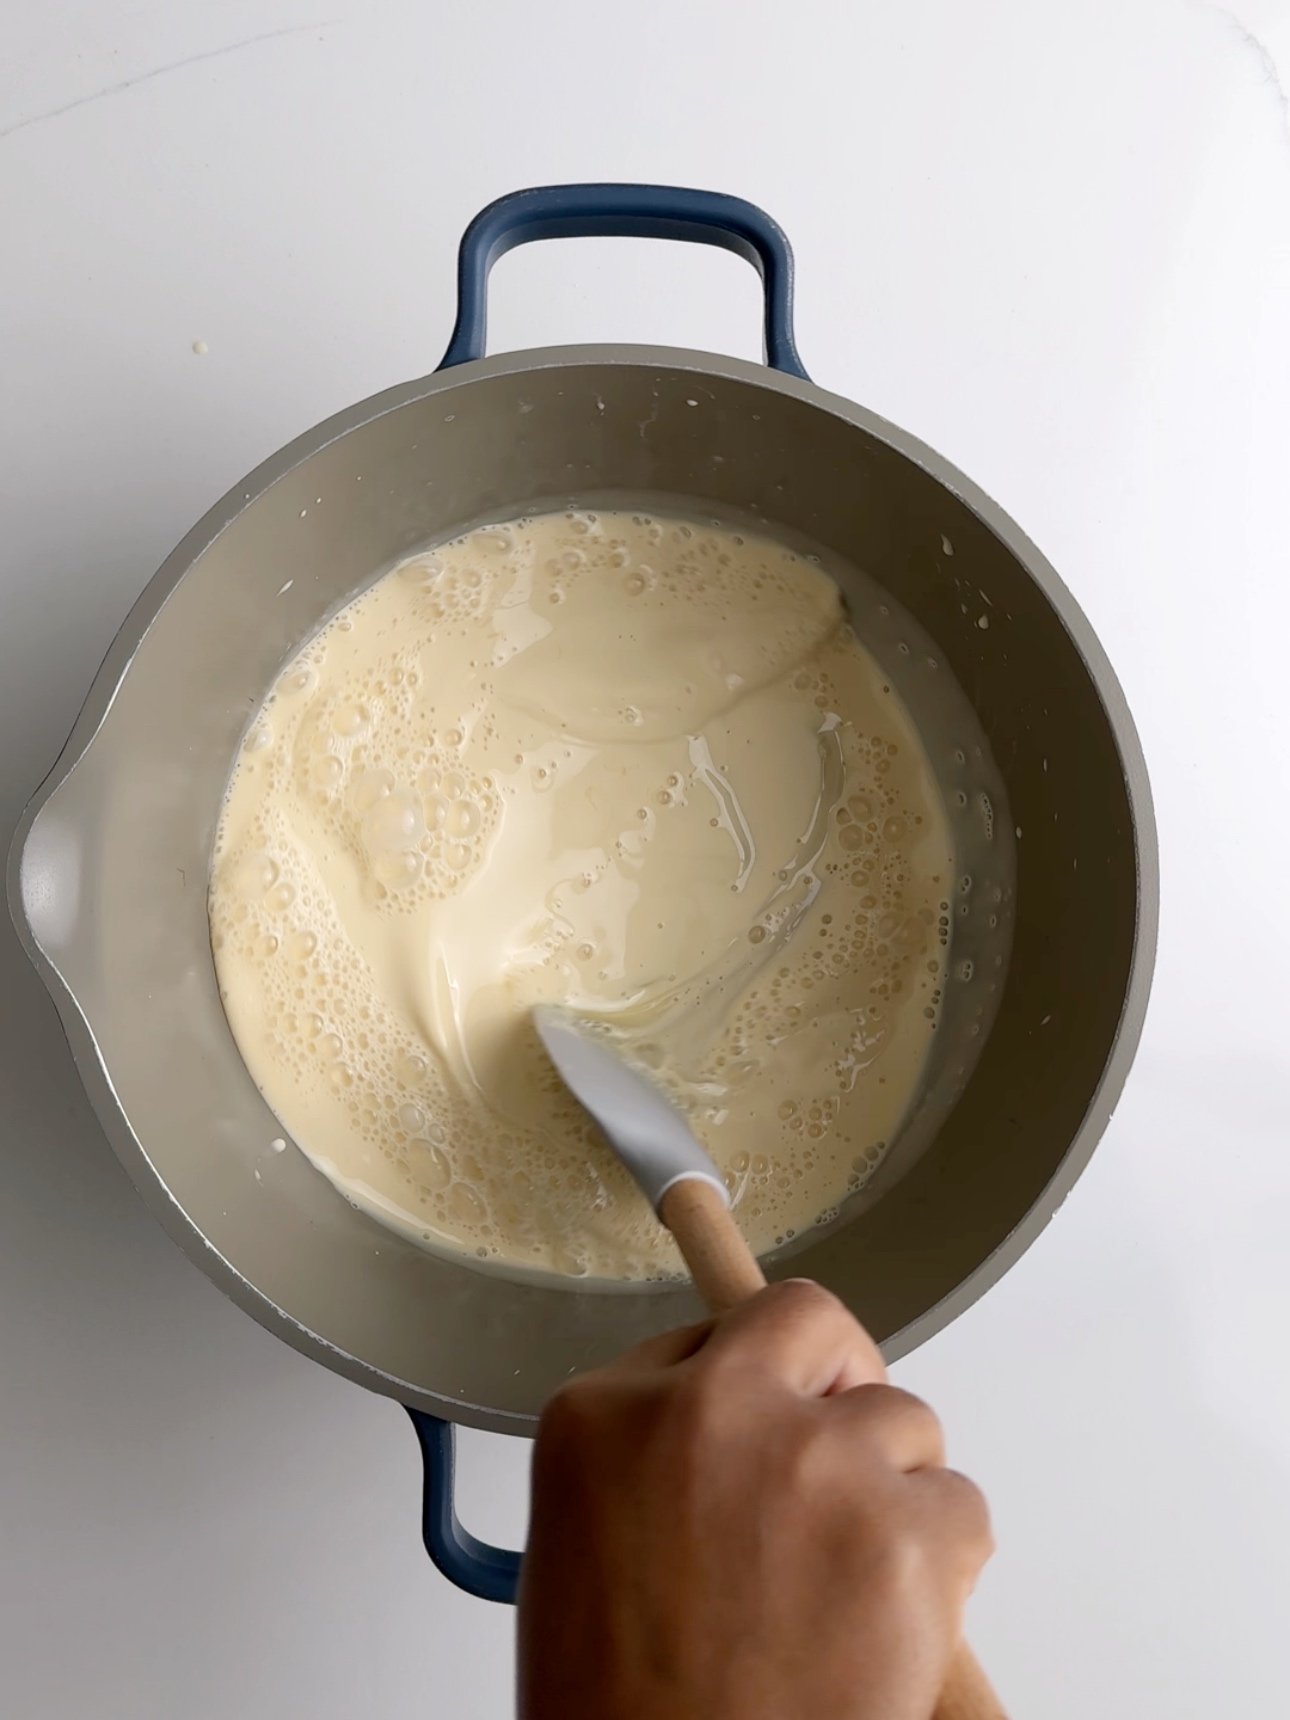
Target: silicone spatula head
[[645, 1129]]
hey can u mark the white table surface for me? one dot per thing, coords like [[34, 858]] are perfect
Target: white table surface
[[1051, 239]]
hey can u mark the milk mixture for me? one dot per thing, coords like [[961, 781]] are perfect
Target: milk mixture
[[632, 764]]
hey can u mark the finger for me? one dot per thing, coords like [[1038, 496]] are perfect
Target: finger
[[664, 1350], [801, 1334], [959, 1517], [898, 1426]]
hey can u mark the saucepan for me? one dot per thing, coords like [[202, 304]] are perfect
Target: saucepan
[[108, 874]]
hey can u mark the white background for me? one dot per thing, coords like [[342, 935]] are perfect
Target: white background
[[1052, 239]]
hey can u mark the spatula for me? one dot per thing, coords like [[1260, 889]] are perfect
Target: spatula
[[655, 1142]]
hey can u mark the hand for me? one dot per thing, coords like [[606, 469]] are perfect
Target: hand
[[743, 1521]]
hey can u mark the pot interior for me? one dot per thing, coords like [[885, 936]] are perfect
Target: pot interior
[[114, 875]]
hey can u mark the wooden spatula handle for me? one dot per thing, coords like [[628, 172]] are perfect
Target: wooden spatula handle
[[724, 1268], [725, 1273]]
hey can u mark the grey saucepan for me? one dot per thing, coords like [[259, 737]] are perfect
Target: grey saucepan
[[109, 869]]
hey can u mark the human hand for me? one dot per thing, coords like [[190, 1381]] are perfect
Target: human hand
[[742, 1521]]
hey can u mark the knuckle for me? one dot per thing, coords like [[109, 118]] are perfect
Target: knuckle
[[887, 1399], [970, 1510], [912, 1404], [805, 1306], [904, 1428], [919, 1414], [575, 1409], [811, 1298]]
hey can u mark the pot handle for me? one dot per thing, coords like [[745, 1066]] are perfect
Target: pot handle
[[489, 1573], [632, 212]]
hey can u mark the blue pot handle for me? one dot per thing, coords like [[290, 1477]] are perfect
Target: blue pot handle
[[565, 212], [632, 212], [490, 1573]]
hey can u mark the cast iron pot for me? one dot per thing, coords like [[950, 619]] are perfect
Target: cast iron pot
[[109, 870]]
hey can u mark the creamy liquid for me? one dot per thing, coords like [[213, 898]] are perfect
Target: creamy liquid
[[632, 764]]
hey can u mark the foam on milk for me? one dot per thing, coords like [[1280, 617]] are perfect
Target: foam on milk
[[633, 764]]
